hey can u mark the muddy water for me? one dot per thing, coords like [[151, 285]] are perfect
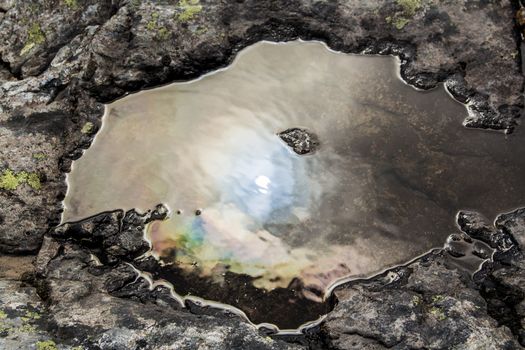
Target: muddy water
[[392, 168]]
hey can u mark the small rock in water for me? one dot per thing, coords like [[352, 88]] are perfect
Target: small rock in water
[[300, 140]]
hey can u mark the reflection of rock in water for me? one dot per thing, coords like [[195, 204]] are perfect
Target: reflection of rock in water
[[468, 253], [300, 140], [393, 169]]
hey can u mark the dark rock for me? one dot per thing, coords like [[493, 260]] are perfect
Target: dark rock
[[95, 306], [474, 224], [301, 141], [514, 224], [114, 235], [427, 310]]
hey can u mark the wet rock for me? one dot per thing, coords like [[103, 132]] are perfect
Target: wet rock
[[431, 297], [514, 224], [474, 224], [301, 141], [113, 235], [96, 306], [429, 303], [504, 291], [423, 310]]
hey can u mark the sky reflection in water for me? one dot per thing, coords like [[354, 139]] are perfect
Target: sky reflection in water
[[393, 168]]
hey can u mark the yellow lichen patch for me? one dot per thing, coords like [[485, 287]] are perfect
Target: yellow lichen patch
[[438, 313], [409, 6], [4, 328], [188, 9], [11, 180], [35, 36], [39, 156], [26, 328], [30, 316], [3, 315], [152, 24], [87, 128], [163, 33], [34, 181], [416, 300], [46, 345]]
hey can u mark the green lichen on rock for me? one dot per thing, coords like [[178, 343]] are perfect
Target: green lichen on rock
[[35, 37], [30, 316], [26, 328], [162, 33], [201, 30], [39, 156], [72, 4], [5, 329], [416, 300], [437, 298], [401, 18], [46, 345], [410, 7], [11, 180], [438, 313], [152, 23], [33, 180], [398, 22], [188, 9], [87, 128]]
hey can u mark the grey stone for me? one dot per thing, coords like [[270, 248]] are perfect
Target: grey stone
[[437, 310]]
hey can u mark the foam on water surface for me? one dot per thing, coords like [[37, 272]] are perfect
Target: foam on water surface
[[391, 168]]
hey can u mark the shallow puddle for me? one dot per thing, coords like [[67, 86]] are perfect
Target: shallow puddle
[[375, 177]]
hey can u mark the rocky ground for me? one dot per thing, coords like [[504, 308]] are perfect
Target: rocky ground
[[61, 60]]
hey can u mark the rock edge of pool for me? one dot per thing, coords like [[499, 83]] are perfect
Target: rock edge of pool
[[61, 62]]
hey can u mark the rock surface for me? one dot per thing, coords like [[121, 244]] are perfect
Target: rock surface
[[301, 141], [60, 60]]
